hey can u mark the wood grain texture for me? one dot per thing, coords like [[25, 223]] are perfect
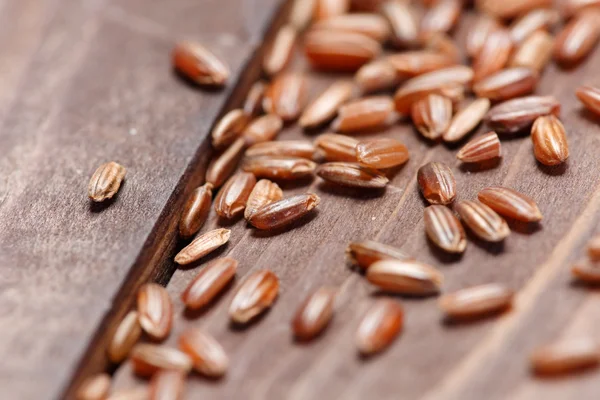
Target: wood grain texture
[[82, 83], [82, 78]]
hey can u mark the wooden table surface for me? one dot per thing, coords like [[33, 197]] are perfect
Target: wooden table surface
[[84, 82]]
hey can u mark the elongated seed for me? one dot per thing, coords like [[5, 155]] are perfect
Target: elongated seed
[[510, 203], [229, 128], [339, 51], [352, 175], [223, 165], [279, 168], [254, 98], [147, 359], [314, 314], [167, 385], [367, 252], [330, 8], [475, 302], [199, 65], [207, 355], [507, 84], [195, 211], [533, 22], [264, 193], [106, 181], [369, 24], [478, 34], [550, 145], [432, 115], [155, 310], [494, 54], [380, 326], [449, 82], [403, 23], [125, 337], [302, 13], [284, 212], [376, 76], [442, 17], [364, 114], [518, 114], [256, 294], [284, 148], [510, 8], [263, 129], [577, 39], [566, 356], [466, 120], [586, 271], [324, 108], [483, 148], [444, 229], [203, 245], [286, 96], [336, 147], [437, 183], [483, 221], [280, 53], [535, 52], [95, 387], [231, 200], [590, 97], [211, 281], [381, 153], [593, 248], [405, 277], [413, 63]]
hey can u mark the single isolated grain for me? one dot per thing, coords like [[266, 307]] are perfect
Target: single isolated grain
[[207, 355], [406, 277], [352, 175], [195, 211], [476, 302], [510, 203], [483, 148], [381, 153], [155, 310], [367, 252], [147, 359], [444, 229], [199, 65], [254, 296], [483, 221], [106, 181], [566, 356], [284, 212], [437, 183], [125, 337], [209, 283], [314, 314], [380, 326], [203, 245]]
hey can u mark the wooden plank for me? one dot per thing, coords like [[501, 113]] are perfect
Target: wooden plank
[[70, 265], [432, 360], [89, 82]]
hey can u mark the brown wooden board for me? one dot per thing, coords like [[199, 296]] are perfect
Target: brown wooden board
[[82, 83], [83, 75]]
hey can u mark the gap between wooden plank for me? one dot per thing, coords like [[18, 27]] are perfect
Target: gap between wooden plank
[[155, 261]]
